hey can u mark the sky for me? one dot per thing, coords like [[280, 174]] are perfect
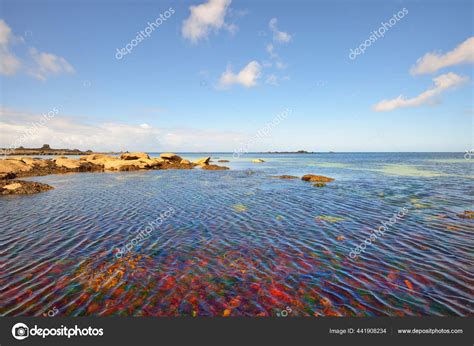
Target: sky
[[219, 75]]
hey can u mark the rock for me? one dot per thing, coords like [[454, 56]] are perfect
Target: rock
[[319, 184], [134, 156], [285, 177], [98, 157], [316, 178], [223, 161], [68, 163], [5, 176], [258, 161], [214, 167], [120, 165], [203, 161], [14, 166], [159, 160], [171, 157], [13, 186], [468, 214], [185, 162], [19, 187]]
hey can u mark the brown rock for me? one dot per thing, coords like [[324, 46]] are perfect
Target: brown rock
[[285, 177], [203, 161], [185, 162], [120, 165], [468, 214], [258, 161], [14, 166], [134, 156], [19, 187], [316, 178], [214, 168], [319, 184], [171, 157], [68, 163]]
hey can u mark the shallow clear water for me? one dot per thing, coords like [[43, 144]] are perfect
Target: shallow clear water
[[242, 243]]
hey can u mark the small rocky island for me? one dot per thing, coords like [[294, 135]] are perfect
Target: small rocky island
[[44, 150]]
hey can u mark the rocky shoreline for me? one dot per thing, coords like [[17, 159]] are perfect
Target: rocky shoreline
[[12, 168]]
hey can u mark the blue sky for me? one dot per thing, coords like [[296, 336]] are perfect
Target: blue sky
[[180, 89]]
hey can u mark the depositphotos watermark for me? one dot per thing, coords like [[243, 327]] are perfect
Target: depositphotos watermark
[[21, 331], [378, 233], [145, 33], [144, 233], [469, 154], [265, 131], [376, 34]]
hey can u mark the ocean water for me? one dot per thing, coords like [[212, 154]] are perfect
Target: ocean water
[[242, 243]]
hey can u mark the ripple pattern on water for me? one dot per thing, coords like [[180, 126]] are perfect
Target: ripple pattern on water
[[240, 243]]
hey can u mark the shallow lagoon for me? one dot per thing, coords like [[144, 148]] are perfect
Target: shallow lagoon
[[241, 243]]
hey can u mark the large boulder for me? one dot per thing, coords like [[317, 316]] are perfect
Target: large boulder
[[316, 178], [14, 166], [35, 162], [120, 165], [171, 157], [99, 159], [134, 156], [185, 162], [96, 157], [65, 162], [203, 161], [20, 187]]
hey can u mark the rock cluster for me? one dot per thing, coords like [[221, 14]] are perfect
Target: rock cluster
[[20, 187], [15, 167]]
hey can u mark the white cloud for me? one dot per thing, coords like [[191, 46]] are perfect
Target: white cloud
[[432, 62], [441, 83], [72, 132], [270, 48], [247, 77], [272, 79], [278, 36], [205, 18], [47, 64], [9, 63]]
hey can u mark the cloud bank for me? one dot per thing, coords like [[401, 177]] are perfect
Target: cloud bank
[[64, 131]]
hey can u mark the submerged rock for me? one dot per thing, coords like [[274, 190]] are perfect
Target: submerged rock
[[285, 177], [223, 161], [319, 184], [317, 178], [468, 214], [214, 168], [20, 187]]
